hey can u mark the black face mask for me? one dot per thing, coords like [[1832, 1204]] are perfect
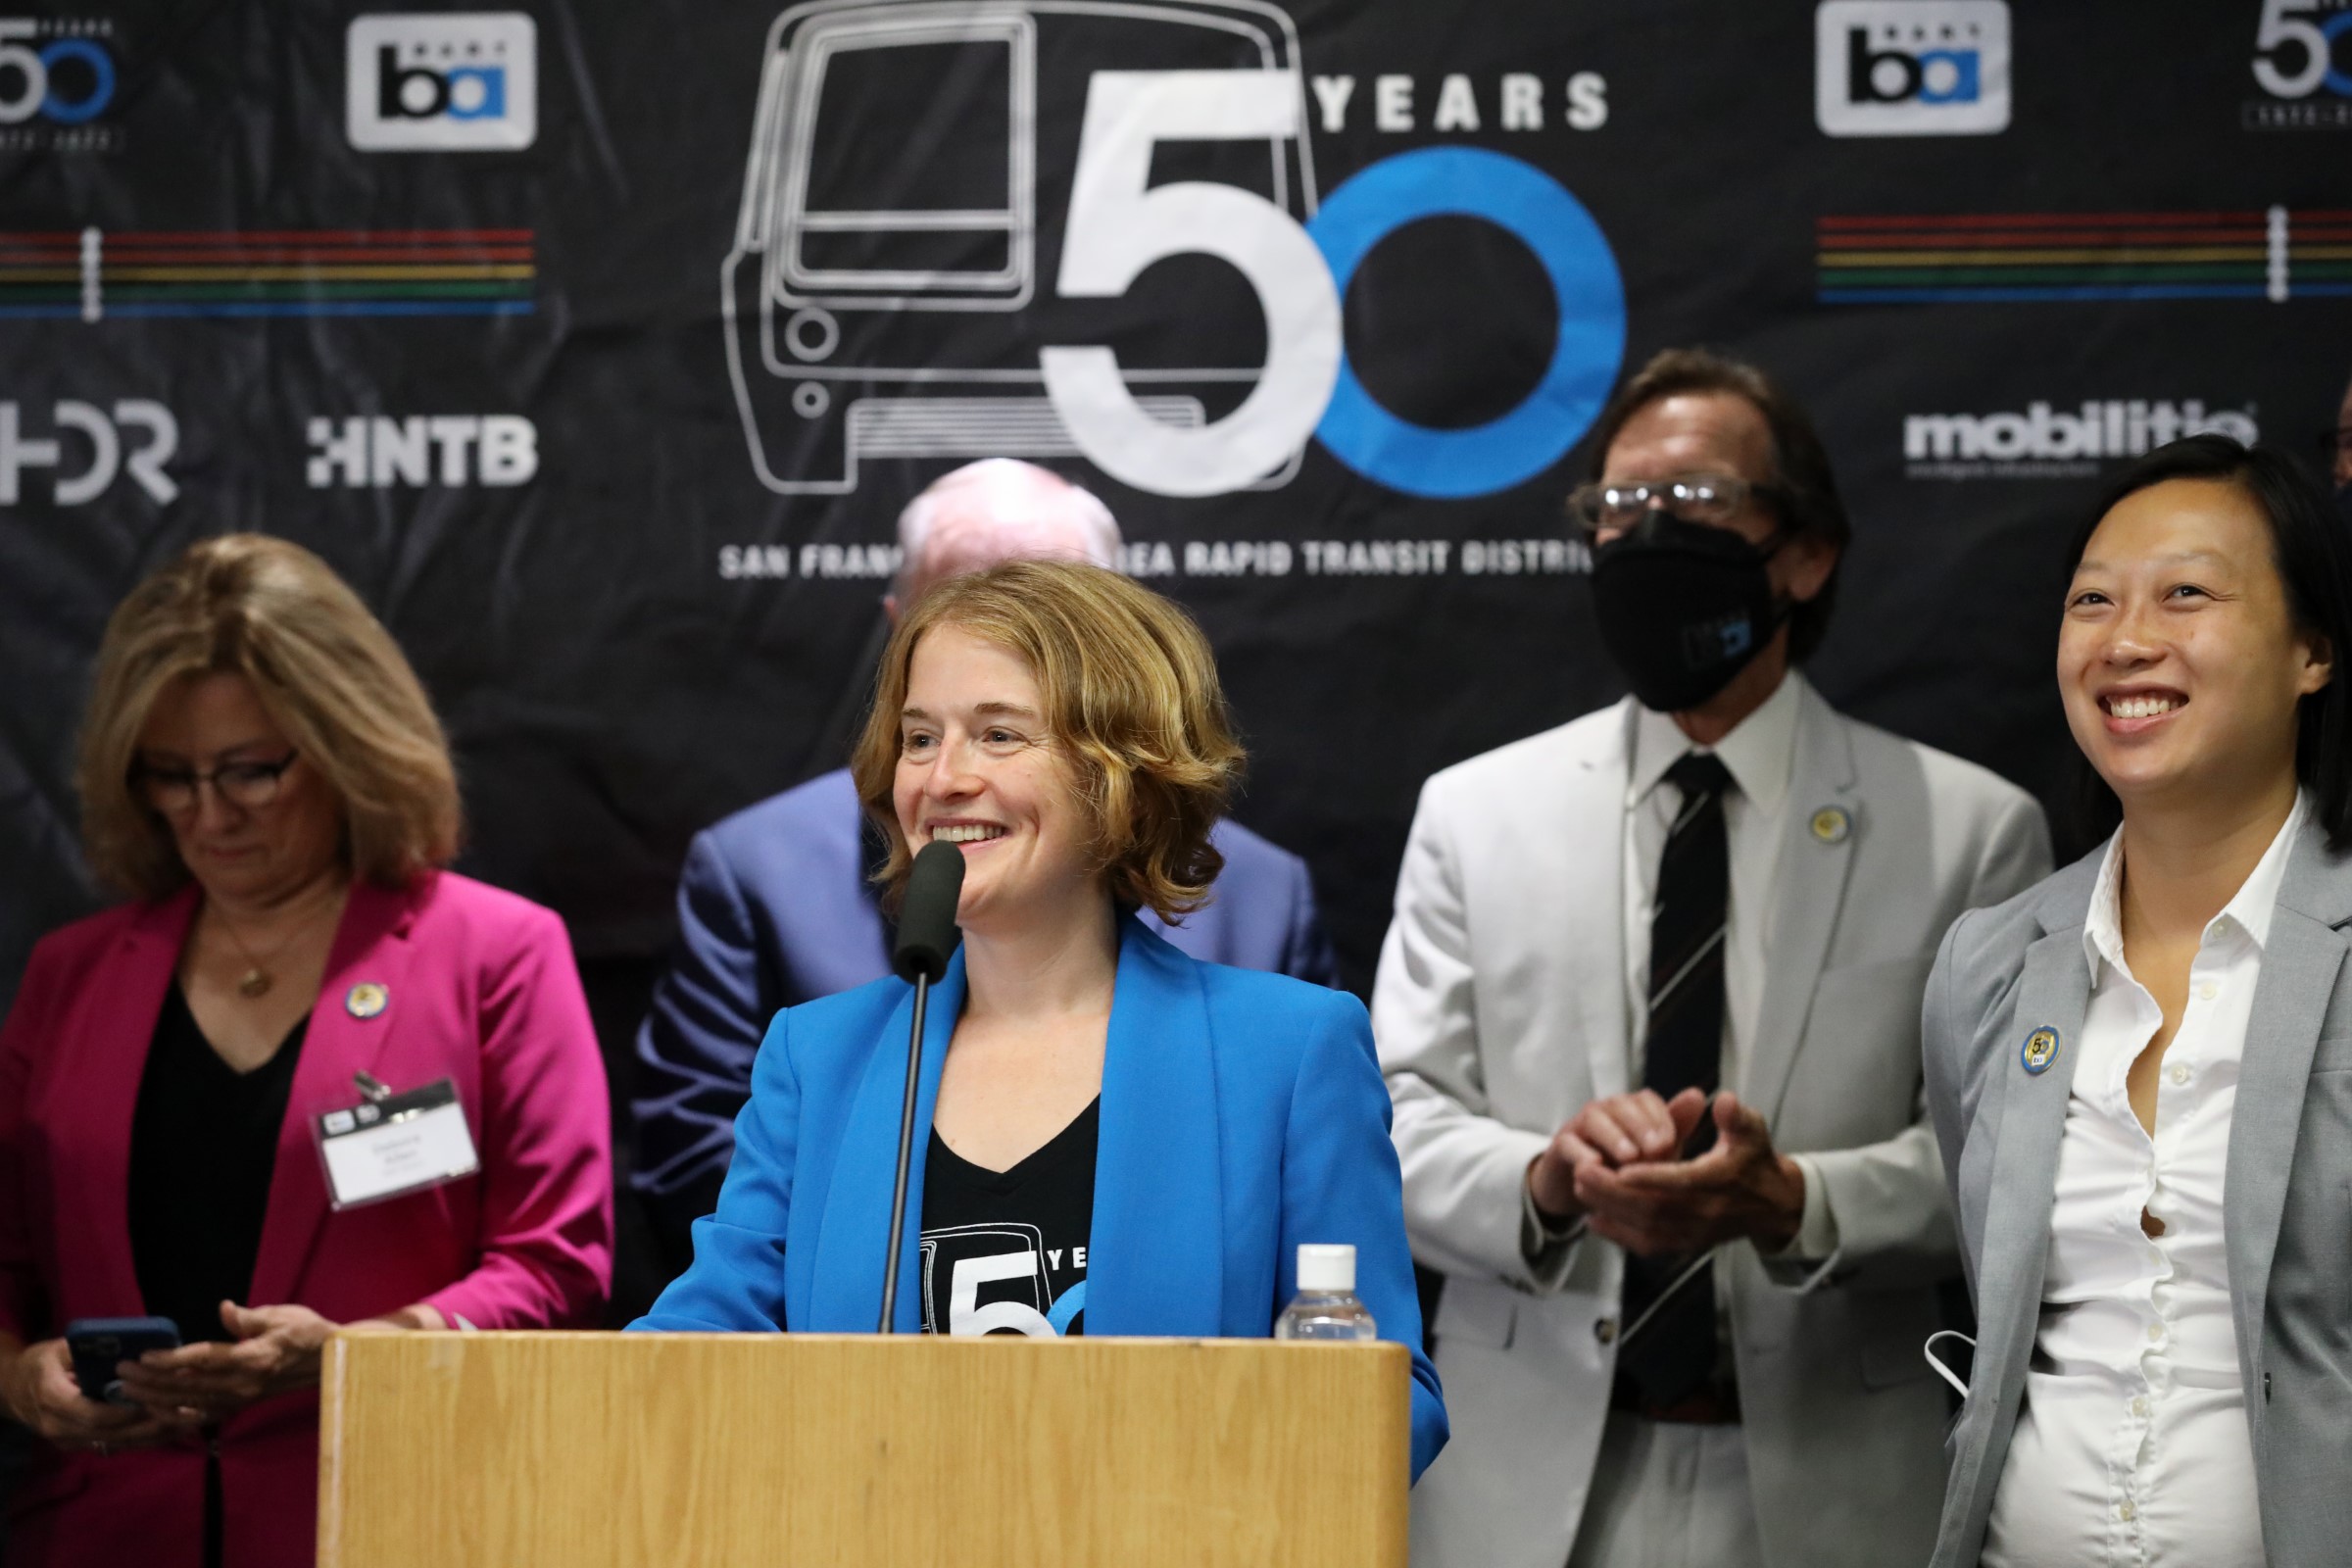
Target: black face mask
[[1682, 607]]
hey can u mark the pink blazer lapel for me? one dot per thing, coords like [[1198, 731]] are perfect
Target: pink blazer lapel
[[372, 947], [100, 1094]]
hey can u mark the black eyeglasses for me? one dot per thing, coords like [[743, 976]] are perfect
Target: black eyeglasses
[[2335, 443], [249, 786]]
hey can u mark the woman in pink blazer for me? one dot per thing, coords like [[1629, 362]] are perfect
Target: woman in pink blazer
[[261, 766]]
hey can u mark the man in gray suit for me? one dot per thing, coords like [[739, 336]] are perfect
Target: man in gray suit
[[1649, 1012]]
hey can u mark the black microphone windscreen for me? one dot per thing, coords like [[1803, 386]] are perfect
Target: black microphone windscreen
[[927, 932]]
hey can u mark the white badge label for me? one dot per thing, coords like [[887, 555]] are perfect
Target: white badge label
[[396, 1144]]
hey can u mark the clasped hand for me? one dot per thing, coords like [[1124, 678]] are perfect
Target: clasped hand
[[1617, 1163]]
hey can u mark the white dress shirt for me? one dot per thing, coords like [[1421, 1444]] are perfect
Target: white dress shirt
[[1758, 754], [2132, 1446]]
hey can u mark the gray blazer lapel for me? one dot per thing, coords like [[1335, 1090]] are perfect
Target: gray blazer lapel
[[2054, 993], [2301, 966], [1809, 886]]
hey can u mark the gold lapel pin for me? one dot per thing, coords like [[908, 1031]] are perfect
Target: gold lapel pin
[[365, 1000], [1832, 825], [2040, 1049]]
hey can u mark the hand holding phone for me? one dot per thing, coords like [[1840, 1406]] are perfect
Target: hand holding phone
[[40, 1392], [97, 1344]]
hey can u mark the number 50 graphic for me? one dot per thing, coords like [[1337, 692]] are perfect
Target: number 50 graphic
[[880, 314], [1117, 228]]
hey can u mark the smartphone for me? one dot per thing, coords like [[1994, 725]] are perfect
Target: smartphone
[[96, 1344]]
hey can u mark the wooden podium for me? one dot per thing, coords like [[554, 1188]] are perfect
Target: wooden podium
[[713, 1450]]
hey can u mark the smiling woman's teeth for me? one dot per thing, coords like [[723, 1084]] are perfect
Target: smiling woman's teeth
[[968, 833], [2142, 707]]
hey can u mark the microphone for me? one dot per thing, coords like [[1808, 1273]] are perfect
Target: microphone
[[927, 938], [927, 934]]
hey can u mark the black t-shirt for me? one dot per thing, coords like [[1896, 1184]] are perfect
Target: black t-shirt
[[202, 1148], [1005, 1252]]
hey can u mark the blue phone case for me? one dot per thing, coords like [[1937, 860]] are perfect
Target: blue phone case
[[96, 1344]]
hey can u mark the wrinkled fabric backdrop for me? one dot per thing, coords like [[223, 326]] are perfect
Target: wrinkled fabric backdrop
[[599, 347]]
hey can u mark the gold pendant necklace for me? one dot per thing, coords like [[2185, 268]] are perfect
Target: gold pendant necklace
[[257, 979]]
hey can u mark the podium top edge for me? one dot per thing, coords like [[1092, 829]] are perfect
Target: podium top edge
[[616, 1336]]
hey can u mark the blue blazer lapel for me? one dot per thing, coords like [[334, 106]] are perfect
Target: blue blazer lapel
[[844, 1293], [1156, 1251], [2300, 969]]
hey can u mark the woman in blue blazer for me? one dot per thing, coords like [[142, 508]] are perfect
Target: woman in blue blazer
[[1124, 1141]]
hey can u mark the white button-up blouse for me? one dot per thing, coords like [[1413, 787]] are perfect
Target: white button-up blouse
[[2132, 1446]]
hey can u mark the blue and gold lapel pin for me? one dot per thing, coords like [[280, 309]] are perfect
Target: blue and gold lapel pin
[[365, 1000], [2040, 1049], [1832, 825]]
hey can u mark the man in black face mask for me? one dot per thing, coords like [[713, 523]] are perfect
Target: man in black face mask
[[1649, 1013]]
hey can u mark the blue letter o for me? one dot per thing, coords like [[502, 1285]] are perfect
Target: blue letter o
[[102, 91], [1472, 183]]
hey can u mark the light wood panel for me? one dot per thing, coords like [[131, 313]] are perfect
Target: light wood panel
[[611, 1450]]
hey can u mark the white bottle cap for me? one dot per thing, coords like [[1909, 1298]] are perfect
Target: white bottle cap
[[1327, 1268]]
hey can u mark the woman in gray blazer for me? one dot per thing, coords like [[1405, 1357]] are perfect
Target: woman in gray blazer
[[2140, 1071]]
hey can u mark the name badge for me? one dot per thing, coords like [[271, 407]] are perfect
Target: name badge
[[391, 1144]]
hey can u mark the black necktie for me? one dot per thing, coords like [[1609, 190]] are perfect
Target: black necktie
[[1674, 1356]]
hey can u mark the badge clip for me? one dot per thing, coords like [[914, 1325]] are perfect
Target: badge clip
[[372, 1089]]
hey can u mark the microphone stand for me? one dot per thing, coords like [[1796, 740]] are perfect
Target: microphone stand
[[898, 1194], [928, 937]]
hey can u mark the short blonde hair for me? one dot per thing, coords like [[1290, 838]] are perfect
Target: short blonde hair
[[328, 674], [1133, 706]]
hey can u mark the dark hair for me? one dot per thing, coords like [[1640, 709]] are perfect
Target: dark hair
[[1803, 490], [2314, 560]]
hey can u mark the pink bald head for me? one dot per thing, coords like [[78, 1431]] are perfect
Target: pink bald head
[[994, 511]]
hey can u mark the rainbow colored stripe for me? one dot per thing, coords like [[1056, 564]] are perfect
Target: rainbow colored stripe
[[2000, 258], [95, 274]]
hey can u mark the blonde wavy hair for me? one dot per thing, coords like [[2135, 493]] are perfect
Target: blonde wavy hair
[[325, 669], [1132, 707]]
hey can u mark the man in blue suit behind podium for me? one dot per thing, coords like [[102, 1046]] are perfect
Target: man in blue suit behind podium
[[775, 906]]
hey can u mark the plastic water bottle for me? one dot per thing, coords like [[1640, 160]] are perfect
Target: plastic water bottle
[[1326, 1307]]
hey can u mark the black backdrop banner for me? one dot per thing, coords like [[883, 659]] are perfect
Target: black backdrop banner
[[599, 345]]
